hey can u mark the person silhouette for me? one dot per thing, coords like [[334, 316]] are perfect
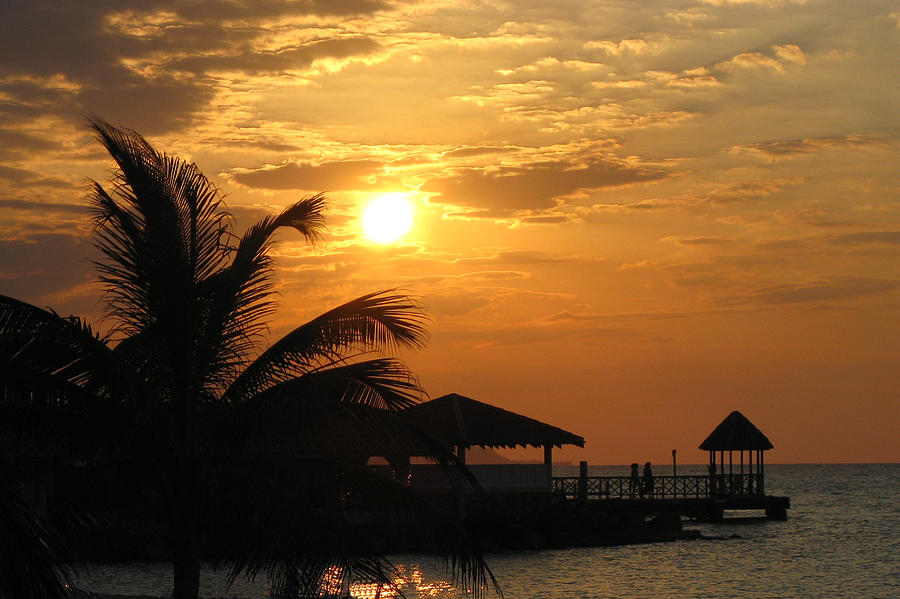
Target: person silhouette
[[635, 483], [647, 486]]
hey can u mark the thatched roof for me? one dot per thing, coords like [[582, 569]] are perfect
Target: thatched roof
[[736, 433], [457, 420]]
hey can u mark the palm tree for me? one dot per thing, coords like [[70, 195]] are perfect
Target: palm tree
[[180, 387]]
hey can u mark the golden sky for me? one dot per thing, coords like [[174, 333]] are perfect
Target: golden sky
[[630, 217]]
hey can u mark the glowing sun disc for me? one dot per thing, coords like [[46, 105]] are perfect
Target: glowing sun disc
[[387, 218]]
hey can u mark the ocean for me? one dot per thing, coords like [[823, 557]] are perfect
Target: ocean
[[841, 540]]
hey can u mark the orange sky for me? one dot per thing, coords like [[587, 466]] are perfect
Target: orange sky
[[630, 217]]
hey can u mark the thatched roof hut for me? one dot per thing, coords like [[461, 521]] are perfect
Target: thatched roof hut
[[736, 433], [462, 422]]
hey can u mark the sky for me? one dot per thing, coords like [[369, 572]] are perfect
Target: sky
[[629, 218]]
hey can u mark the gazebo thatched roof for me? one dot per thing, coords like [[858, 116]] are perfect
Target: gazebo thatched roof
[[736, 433], [457, 420]]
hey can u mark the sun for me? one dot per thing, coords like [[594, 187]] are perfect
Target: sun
[[388, 217]]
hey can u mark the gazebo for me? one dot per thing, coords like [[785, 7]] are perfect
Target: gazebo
[[736, 433]]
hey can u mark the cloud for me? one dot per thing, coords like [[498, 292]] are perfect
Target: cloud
[[626, 266], [13, 144], [516, 257], [721, 195], [43, 207], [832, 243], [450, 305], [698, 281], [549, 219], [224, 9], [147, 65], [46, 40], [44, 265], [776, 150], [532, 187], [325, 176], [784, 56], [810, 217], [836, 288], [21, 176], [747, 191], [468, 152], [297, 57], [750, 60], [698, 240], [635, 46], [790, 53], [880, 237]]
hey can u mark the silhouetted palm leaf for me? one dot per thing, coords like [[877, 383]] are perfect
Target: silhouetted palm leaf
[[177, 389], [377, 321], [34, 564]]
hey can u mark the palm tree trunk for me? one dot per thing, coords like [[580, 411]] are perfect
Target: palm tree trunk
[[185, 529], [187, 575]]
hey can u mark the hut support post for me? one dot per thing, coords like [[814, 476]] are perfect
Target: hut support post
[[401, 469], [548, 464], [460, 494]]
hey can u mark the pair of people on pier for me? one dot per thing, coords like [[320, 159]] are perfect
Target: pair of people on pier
[[641, 485]]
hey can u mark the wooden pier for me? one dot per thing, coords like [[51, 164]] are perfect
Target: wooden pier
[[697, 496], [727, 486], [735, 478]]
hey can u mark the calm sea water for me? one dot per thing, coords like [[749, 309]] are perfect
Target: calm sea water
[[841, 539]]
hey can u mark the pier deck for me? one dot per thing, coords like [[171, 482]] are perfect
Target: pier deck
[[697, 496]]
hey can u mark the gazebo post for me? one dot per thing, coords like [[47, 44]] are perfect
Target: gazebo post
[[461, 453], [722, 471], [730, 472], [762, 476], [753, 484]]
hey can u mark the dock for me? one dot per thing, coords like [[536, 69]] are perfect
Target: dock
[[735, 478], [699, 497], [525, 506]]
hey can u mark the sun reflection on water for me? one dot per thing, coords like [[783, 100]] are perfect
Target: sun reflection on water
[[407, 579]]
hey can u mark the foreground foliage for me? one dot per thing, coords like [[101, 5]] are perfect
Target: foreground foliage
[[247, 456]]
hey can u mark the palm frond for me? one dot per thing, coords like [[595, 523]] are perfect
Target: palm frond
[[39, 547], [163, 232], [383, 383], [44, 354], [383, 320], [238, 296]]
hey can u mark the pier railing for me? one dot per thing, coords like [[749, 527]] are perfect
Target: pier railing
[[657, 487]]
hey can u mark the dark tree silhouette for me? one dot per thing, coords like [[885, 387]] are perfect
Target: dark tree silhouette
[[253, 453]]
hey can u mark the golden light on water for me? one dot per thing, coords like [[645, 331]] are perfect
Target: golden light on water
[[388, 217], [410, 578]]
